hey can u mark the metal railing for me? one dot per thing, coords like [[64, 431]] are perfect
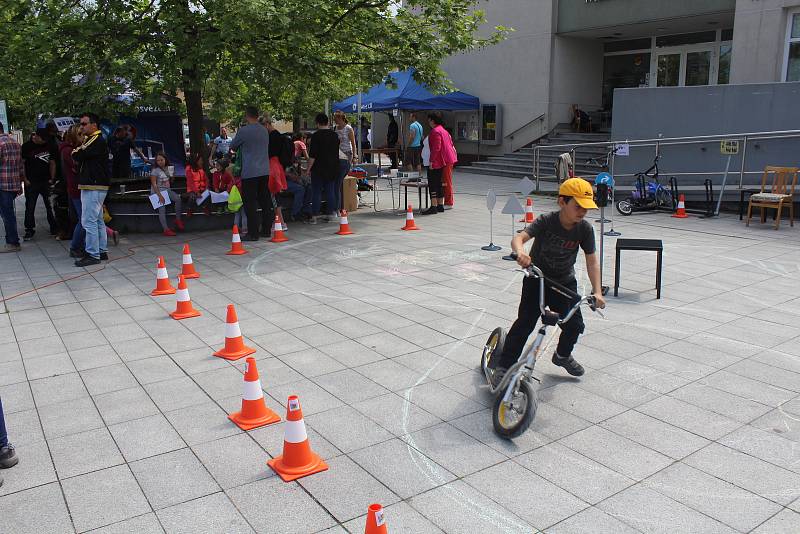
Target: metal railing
[[511, 135], [660, 142]]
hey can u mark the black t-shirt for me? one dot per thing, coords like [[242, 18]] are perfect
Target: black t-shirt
[[325, 151], [555, 249], [37, 160], [121, 150]]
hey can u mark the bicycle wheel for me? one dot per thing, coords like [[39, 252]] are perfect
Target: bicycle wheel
[[664, 198], [493, 345], [624, 207], [513, 419]]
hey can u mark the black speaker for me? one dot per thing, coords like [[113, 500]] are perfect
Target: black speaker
[[601, 195]]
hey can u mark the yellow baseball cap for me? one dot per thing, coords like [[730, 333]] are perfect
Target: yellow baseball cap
[[579, 189]]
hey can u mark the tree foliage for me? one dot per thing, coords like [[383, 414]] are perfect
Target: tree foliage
[[286, 56]]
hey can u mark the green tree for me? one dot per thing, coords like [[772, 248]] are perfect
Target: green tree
[[283, 55]]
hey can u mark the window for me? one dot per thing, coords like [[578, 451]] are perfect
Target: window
[[724, 76], [792, 62], [686, 39]]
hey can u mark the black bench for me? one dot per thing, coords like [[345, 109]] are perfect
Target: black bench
[[654, 245]]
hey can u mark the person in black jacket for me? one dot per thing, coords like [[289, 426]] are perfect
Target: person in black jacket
[[392, 135], [93, 181]]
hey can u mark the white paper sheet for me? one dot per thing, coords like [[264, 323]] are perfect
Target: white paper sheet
[[216, 198], [155, 202], [202, 198]]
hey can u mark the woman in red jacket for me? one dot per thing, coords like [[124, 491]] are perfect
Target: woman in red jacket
[[196, 184], [442, 154]]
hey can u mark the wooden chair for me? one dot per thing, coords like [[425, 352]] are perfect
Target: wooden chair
[[780, 193]]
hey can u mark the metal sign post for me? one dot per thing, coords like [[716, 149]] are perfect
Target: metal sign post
[[513, 208], [602, 200], [491, 200], [731, 148]]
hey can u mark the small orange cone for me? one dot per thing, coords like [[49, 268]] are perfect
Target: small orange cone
[[184, 310], [163, 287], [234, 348], [297, 460], [277, 232], [236, 244], [254, 412], [188, 267], [528, 212], [376, 522], [344, 226], [410, 224], [680, 213]]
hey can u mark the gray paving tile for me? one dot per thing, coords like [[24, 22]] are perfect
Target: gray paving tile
[[143, 524], [749, 389], [434, 366], [45, 346], [396, 414], [201, 423], [689, 417], [458, 508], [176, 393], [271, 440], [107, 379], [766, 445], [350, 386], [198, 361], [582, 403], [256, 502], [785, 522], [716, 498], [69, 417], [591, 520], [58, 389], [278, 343], [136, 349], [148, 436], [221, 383], [392, 375], [47, 366], [454, 450], [234, 461], [24, 427], [441, 401], [124, 405], [17, 397], [311, 362], [155, 369], [399, 517], [721, 402], [649, 511], [351, 354], [616, 389], [752, 474], [363, 489], [211, 514], [36, 510], [92, 357], [388, 344], [402, 468], [34, 468], [347, 429], [12, 372], [85, 452], [655, 434], [618, 453], [104, 497], [173, 478], [479, 425]]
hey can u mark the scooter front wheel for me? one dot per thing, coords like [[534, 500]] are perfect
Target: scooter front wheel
[[625, 207], [512, 419]]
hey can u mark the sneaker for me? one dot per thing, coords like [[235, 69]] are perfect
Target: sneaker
[[28, 235], [179, 225], [11, 248], [78, 254], [87, 261], [497, 375], [568, 363], [440, 208], [115, 238], [430, 211], [104, 256], [250, 237], [8, 457], [169, 232]]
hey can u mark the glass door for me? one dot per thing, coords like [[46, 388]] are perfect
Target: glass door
[[684, 66], [698, 68], [668, 70]]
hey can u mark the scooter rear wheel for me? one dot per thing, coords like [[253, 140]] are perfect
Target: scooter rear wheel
[[494, 345], [513, 419], [624, 207]]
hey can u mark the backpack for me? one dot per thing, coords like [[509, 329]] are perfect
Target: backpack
[[286, 153]]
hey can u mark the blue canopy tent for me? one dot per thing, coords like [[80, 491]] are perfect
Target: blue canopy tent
[[408, 94]]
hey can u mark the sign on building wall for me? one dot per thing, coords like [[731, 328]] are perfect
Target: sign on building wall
[[729, 147]]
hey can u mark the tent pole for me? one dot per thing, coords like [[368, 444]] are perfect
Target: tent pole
[[358, 126]]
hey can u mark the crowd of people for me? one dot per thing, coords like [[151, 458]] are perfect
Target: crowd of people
[[259, 162]]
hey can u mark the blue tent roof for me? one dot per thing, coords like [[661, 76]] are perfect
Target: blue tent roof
[[408, 95]]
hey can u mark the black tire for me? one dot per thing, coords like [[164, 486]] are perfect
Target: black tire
[[514, 427], [494, 345], [624, 207]]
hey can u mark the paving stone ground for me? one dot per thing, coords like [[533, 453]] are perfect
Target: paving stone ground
[[687, 420]]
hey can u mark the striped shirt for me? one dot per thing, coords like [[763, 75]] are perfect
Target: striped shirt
[[10, 164]]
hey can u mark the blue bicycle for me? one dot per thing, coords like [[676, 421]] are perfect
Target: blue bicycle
[[648, 194]]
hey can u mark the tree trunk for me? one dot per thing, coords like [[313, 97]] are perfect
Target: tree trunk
[[194, 114]]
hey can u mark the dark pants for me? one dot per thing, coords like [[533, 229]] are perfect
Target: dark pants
[[3, 433], [320, 182], [435, 183], [366, 145], [256, 195], [32, 193], [392, 155], [121, 169], [528, 315], [301, 199], [78, 233], [9, 216]]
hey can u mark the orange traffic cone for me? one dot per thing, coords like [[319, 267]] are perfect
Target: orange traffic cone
[[680, 213], [528, 212], [184, 309], [188, 267], [277, 232], [163, 287], [410, 224], [254, 412], [236, 244], [234, 348], [297, 460], [376, 522], [344, 226]]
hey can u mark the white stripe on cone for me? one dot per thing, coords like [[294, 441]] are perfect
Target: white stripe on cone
[[232, 330], [183, 295], [344, 220], [162, 273], [409, 215], [187, 258], [277, 226], [295, 432], [236, 239], [252, 390]]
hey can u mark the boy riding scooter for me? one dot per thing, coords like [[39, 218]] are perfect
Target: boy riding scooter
[[557, 236]]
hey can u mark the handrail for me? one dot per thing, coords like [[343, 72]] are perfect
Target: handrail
[[511, 135], [671, 141]]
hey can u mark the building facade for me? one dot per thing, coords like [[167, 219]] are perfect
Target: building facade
[[565, 53]]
